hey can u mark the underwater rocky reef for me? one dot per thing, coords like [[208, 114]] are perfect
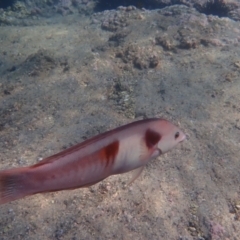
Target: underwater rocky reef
[[13, 12]]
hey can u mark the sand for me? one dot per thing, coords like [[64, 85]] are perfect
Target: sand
[[68, 78]]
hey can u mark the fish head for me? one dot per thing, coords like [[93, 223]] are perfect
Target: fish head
[[170, 134]]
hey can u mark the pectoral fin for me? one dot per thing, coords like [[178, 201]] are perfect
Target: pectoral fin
[[136, 174]]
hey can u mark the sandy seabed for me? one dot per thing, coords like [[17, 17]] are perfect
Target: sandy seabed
[[65, 81]]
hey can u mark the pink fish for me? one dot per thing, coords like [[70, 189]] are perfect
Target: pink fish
[[117, 151]]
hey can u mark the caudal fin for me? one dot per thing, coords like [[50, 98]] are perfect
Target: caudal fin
[[13, 185]]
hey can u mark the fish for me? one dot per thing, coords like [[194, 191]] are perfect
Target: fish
[[123, 149]]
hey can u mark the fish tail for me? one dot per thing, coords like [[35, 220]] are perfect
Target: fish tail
[[14, 184]]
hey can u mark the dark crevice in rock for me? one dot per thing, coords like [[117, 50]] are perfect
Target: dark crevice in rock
[[6, 3], [148, 4], [211, 7]]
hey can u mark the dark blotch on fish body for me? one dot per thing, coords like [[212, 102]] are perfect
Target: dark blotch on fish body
[[110, 152], [151, 138]]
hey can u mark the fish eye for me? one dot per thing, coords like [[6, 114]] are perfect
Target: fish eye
[[177, 135]]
